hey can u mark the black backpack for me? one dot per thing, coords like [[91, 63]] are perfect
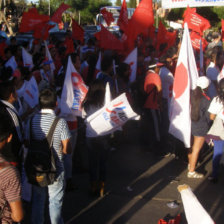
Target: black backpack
[[40, 162]]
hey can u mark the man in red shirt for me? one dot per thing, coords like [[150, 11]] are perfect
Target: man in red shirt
[[152, 106]]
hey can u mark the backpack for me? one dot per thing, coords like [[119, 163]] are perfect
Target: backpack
[[40, 164]]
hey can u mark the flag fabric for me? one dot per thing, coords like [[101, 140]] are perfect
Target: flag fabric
[[195, 40], [41, 30], [123, 18], [108, 16], [108, 40], [194, 211], [186, 75], [98, 64], [30, 19], [48, 55], [58, 13], [108, 97], [77, 31], [69, 44], [189, 10], [11, 63], [73, 92], [196, 22], [27, 59], [132, 61], [111, 117], [31, 93], [142, 19]]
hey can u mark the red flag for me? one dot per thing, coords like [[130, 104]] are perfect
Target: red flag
[[222, 29], [165, 37], [77, 31], [196, 22], [58, 13], [195, 40], [142, 19], [188, 10], [108, 16], [108, 40], [30, 19], [69, 44], [41, 30], [123, 18]]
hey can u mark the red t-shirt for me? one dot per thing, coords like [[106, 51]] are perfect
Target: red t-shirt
[[151, 85]]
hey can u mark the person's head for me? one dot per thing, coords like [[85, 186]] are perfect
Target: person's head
[[107, 64], [219, 60], [48, 99], [46, 64], [95, 95], [76, 61], [8, 53], [123, 71], [5, 131], [203, 83], [155, 66]]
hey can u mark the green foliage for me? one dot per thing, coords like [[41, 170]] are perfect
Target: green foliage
[[118, 3], [131, 4], [175, 14]]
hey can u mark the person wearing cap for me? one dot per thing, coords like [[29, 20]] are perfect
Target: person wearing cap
[[150, 119], [200, 123]]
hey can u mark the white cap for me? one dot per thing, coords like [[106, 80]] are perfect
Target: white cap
[[203, 82]]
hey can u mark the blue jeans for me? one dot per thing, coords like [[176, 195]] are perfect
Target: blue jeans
[[56, 193], [218, 150]]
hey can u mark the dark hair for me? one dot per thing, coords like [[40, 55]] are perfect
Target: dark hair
[[74, 57], [196, 96], [92, 60], [95, 95], [6, 89], [221, 91], [5, 128], [47, 99], [106, 63], [122, 68]]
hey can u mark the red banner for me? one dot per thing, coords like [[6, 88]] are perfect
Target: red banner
[[58, 13], [77, 31], [108, 16], [123, 18], [41, 30], [195, 40]]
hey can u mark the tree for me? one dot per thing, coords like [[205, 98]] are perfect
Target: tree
[[132, 4], [118, 3]]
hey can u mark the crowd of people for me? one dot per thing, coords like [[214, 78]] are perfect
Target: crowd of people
[[149, 95]]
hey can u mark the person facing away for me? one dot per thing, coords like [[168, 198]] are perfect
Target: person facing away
[[11, 209], [40, 126]]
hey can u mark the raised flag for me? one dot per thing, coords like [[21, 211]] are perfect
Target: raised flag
[[195, 40], [196, 22], [41, 30], [48, 55], [123, 18], [111, 117], [73, 92], [30, 19], [189, 10], [185, 79], [77, 31], [108, 40], [31, 93], [58, 13], [201, 59], [12, 63], [108, 16], [131, 60], [27, 59], [142, 19], [194, 211]]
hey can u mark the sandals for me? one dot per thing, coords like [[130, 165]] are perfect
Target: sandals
[[195, 175]]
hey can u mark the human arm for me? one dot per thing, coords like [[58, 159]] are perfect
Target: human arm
[[66, 146], [17, 210], [212, 117]]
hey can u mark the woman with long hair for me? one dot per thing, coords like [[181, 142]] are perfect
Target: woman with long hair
[[200, 123], [97, 145], [217, 109]]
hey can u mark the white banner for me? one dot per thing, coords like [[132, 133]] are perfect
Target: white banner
[[111, 117], [169, 4]]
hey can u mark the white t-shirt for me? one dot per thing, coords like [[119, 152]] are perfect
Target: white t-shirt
[[212, 73], [216, 107], [167, 82]]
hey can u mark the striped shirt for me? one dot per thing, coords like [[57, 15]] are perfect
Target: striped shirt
[[10, 191], [41, 125]]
